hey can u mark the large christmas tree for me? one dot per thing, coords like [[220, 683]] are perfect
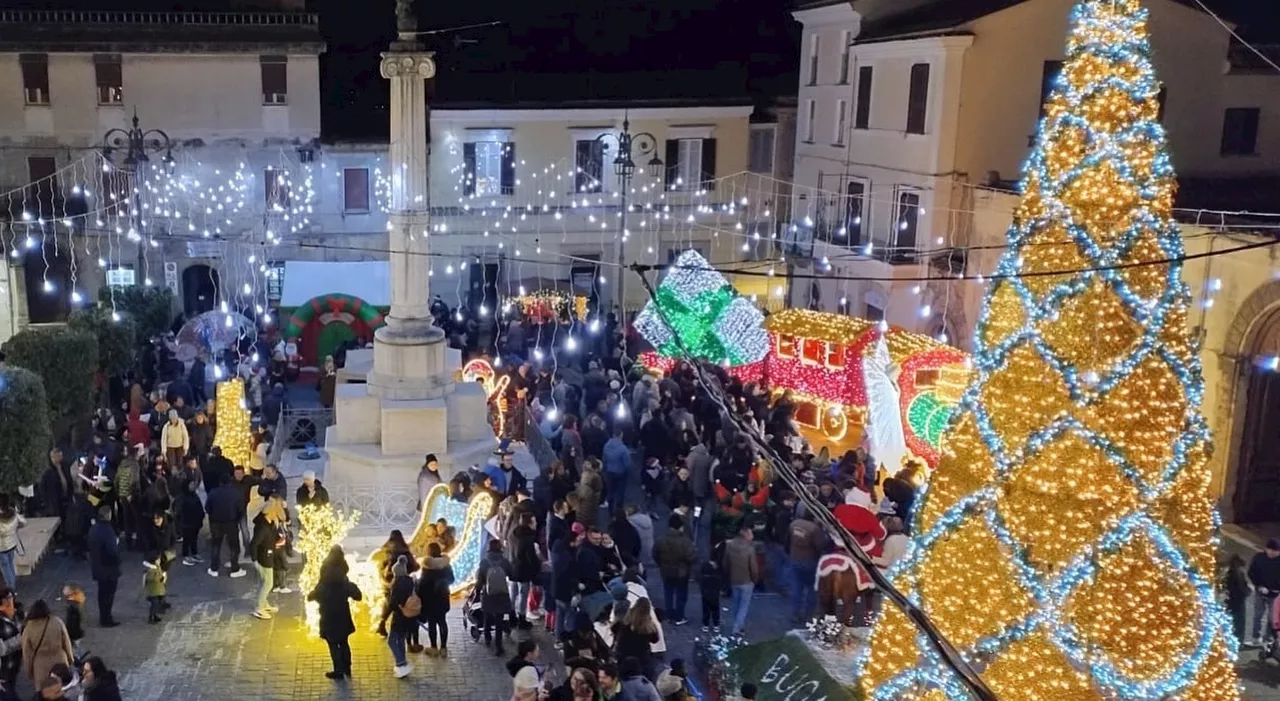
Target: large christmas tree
[[1066, 542]]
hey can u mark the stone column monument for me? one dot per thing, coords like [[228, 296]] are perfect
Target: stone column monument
[[410, 405]]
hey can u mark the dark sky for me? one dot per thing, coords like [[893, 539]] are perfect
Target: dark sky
[[578, 50]]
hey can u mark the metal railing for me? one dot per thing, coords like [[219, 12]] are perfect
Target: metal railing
[[296, 428], [236, 19], [539, 447]]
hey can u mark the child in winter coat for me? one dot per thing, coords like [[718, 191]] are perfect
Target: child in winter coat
[[74, 595], [154, 580], [711, 581]]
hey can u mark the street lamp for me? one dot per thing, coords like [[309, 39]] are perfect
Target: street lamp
[[136, 143], [624, 166]]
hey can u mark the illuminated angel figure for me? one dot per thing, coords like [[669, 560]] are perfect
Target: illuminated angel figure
[[887, 438]]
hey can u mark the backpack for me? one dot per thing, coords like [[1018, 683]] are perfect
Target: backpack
[[496, 581], [412, 606]]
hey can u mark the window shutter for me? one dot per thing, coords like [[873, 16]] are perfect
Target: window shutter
[[709, 164], [673, 163], [509, 168], [468, 169]]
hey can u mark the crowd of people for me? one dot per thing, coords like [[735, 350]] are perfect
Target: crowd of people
[[580, 549]]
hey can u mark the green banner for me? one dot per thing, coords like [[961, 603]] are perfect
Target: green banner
[[785, 670]]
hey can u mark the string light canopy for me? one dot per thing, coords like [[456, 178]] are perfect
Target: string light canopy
[[1074, 481]]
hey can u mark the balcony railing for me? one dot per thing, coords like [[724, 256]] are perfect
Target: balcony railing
[[90, 17]]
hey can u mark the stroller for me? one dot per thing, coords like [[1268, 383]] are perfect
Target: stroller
[[473, 614]]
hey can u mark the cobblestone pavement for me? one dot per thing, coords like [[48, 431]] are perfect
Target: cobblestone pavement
[[209, 647]]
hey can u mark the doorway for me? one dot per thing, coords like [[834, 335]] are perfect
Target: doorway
[[1257, 497], [200, 287], [47, 283]]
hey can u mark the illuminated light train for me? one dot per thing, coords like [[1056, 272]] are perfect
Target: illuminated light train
[[819, 357]]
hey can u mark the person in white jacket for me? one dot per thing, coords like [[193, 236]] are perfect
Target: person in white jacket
[[174, 440], [10, 522]]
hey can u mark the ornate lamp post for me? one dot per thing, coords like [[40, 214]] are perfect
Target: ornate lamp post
[[641, 145], [135, 143]]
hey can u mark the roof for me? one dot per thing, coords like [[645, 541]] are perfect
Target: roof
[[56, 31], [457, 88], [938, 17], [841, 329]]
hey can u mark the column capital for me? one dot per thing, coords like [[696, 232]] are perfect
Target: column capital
[[404, 64]]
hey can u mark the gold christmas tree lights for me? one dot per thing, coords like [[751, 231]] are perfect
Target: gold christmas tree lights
[[1065, 545]]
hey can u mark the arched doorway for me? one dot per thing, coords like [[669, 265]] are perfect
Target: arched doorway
[[1257, 492], [47, 276], [200, 286]]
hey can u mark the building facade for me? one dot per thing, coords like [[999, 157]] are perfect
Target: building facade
[[911, 114], [914, 121], [234, 97]]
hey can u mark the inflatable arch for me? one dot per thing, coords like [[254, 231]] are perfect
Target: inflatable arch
[[323, 323]]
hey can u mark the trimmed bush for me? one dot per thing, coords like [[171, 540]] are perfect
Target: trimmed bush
[[66, 360], [25, 437]]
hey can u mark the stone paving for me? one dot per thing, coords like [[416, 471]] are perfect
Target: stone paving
[[209, 647]]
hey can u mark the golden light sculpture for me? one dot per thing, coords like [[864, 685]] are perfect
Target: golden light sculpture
[[321, 527], [233, 422], [1065, 544], [495, 387]]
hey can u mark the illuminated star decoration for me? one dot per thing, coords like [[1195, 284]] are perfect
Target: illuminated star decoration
[[1066, 542], [707, 316]]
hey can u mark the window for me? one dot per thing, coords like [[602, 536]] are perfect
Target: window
[[854, 211], [926, 379], [589, 159], [355, 189], [814, 351], [490, 168], [842, 114], [835, 355], [275, 281], [109, 79], [1048, 78], [918, 98], [786, 346], [760, 150], [42, 176], [874, 312], [275, 81], [862, 110], [810, 108], [121, 276], [908, 222], [815, 44], [35, 78], [845, 42], [275, 187], [1240, 131], [689, 164], [487, 172]]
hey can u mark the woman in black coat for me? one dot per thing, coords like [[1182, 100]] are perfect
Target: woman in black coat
[[332, 593], [434, 585]]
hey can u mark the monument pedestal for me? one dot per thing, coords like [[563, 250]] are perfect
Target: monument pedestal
[[378, 442]]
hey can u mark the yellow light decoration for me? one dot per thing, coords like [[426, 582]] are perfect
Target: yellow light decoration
[[495, 388], [321, 527], [1065, 542], [233, 422]]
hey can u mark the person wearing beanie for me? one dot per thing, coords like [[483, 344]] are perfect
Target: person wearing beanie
[[174, 439], [401, 611], [428, 478], [675, 554]]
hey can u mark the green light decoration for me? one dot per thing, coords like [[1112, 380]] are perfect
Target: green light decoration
[[708, 316], [928, 416]]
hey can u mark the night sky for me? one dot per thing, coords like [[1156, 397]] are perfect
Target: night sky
[[569, 50]]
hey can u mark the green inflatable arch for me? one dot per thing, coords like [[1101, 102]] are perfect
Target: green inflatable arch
[[335, 303]]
